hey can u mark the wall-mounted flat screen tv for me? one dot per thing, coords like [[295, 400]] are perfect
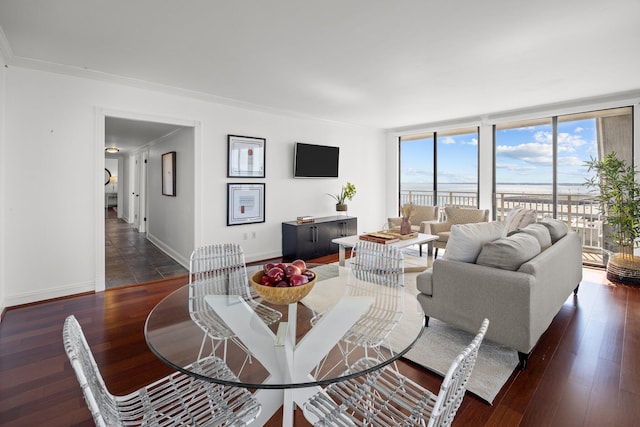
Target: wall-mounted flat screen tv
[[315, 161]]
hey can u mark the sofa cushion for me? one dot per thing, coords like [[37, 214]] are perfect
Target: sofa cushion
[[509, 253], [557, 229], [519, 217], [466, 240], [538, 231]]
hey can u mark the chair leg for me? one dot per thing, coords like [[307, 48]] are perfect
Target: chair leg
[[575, 291], [523, 357], [435, 253], [426, 321]]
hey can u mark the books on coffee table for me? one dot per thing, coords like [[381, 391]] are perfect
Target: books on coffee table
[[379, 237]]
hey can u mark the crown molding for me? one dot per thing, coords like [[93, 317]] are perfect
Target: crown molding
[[87, 73]]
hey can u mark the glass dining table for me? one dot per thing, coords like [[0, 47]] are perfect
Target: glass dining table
[[289, 360]]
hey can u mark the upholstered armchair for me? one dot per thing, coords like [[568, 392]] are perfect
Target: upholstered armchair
[[420, 220], [454, 216]]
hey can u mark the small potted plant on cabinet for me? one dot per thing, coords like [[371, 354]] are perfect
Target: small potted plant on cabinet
[[347, 192]]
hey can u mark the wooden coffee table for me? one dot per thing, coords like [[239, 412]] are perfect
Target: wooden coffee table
[[351, 241]]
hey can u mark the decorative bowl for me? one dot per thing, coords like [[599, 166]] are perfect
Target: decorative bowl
[[281, 296]]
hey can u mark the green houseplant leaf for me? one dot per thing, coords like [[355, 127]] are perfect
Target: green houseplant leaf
[[347, 192], [618, 198]]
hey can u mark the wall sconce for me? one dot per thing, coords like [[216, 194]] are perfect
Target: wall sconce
[[113, 149]]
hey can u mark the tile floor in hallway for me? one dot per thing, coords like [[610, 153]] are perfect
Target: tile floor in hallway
[[130, 258]]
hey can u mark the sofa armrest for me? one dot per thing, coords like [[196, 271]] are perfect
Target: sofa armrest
[[559, 271], [464, 294], [439, 227], [425, 226], [463, 281], [424, 282]]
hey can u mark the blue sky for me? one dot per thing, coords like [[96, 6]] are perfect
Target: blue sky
[[523, 155]]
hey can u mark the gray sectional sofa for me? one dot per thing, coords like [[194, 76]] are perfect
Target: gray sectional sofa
[[518, 281]]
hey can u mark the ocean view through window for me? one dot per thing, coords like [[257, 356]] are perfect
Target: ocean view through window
[[538, 164], [440, 168]]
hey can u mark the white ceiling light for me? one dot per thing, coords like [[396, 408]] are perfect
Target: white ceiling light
[[112, 149]]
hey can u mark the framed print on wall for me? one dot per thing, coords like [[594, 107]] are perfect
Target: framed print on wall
[[169, 174], [245, 156], [245, 203]]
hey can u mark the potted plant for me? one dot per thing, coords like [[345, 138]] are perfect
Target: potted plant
[[619, 200], [347, 192]]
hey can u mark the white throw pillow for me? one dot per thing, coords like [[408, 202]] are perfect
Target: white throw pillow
[[466, 240], [519, 217]]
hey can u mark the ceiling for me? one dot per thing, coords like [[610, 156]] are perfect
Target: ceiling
[[129, 135], [375, 63]]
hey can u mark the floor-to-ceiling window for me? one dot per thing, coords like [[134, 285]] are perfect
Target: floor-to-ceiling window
[[417, 167], [457, 168], [440, 168], [540, 164], [523, 165]]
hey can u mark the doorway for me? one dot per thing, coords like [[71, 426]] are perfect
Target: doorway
[[124, 253]]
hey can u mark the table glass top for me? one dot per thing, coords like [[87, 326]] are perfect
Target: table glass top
[[279, 360]]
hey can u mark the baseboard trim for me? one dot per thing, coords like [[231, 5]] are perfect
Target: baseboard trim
[[180, 259], [49, 294], [261, 256]]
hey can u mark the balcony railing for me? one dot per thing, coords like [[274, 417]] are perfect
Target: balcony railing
[[468, 199], [579, 211]]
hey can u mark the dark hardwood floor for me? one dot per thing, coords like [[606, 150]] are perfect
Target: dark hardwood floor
[[131, 258], [584, 371]]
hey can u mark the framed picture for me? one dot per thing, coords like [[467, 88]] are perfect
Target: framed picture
[[245, 156], [169, 174], [245, 203]]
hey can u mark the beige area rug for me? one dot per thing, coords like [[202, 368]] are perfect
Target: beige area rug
[[439, 344], [416, 263]]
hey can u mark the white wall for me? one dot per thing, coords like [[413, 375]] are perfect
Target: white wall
[[3, 182], [170, 220], [55, 225]]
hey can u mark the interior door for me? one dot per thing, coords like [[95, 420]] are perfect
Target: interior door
[[142, 192], [135, 195]]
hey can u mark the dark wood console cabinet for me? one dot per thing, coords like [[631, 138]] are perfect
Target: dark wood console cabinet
[[313, 239]]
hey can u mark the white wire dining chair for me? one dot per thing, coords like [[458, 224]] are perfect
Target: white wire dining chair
[[386, 398], [176, 400], [376, 270], [220, 269]]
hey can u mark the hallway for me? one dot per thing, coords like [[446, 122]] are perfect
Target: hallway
[[130, 258]]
